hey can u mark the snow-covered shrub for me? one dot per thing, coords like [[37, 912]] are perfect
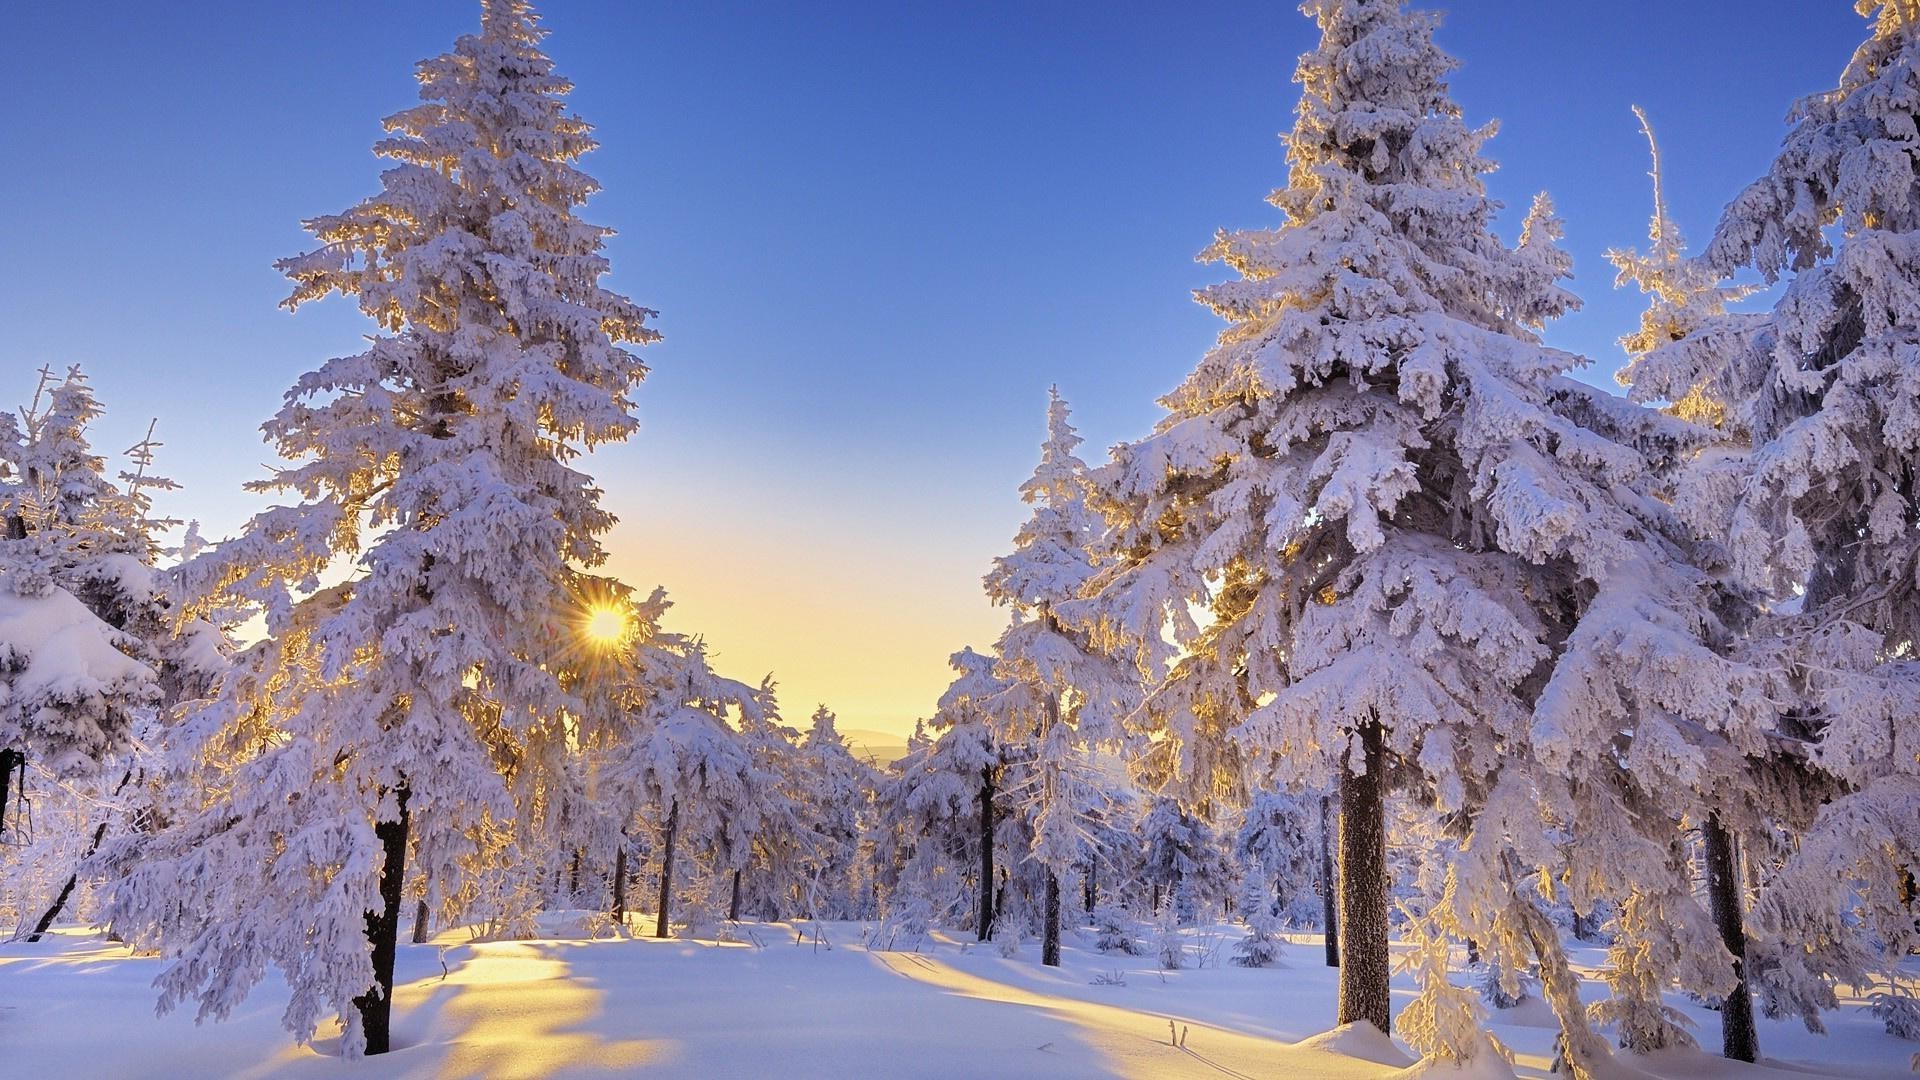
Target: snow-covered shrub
[[1899, 1011], [1114, 930], [1505, 987], [1009, 931], [700, 912], [1445, 1021], [909, 916], [591, 925], [1169, 948], [1261, 945]]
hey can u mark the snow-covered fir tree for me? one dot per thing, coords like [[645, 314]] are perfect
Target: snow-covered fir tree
[[71, 681], [838, 789], [1260, 947], [1065, 696], [685, 766], [1182, 861], [1662, 936], [98, 663], [413, 699], [1816, 401], [1277, 848], [93, 646], [1429, 557], [773, 878], [943, 804]]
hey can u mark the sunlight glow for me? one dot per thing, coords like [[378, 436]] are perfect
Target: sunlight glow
[[605, 626]]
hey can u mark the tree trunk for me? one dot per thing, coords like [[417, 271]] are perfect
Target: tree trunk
[[1738, 1038], [733, 905], [1156, 898], [383, 929], [9, 762], [1091, 887], [60, 901], [1577, 1047], [620, 885], [666, 872], [1363, 885], [1582, 926], [1329, 911], [573, 880], [66, 891], [423, 914], [986, 853], [1050, 944]]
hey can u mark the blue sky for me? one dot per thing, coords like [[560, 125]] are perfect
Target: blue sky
[[875, 234]]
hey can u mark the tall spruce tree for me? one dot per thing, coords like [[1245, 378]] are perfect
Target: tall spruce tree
[[1430, 558], [838, 788], [1816, 400], [1662, 935], [414, 698], [1065, 696]]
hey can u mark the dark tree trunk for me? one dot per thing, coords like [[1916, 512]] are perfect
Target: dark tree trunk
[[1738, 1038], [60, 901], [1090, 888], [66, 891], [383, 930], [666, 873], [733, 905], [423, 914], [1156, 898], [1363, 885], [1329, 907], [1050, 943], [573, 879], [620, 885], [986, 853], [9, 762], [1583, 926]]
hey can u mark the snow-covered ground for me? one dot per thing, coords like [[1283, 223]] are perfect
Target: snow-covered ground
[[782, 1005]]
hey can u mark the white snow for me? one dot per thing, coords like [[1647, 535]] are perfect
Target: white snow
[[69, 651], [79, 1005]]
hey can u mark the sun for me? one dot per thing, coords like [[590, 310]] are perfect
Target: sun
[[605, 625]]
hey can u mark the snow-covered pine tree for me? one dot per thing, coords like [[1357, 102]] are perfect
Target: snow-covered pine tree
[[967, 751], [1396, 506], [838, 789], [685, 765], [1277, 847], [90, 645], [1114, 930], [90, 660], [442, 458], [1065, 695], [1820, 511], [941, 805], [929, 814], [771, 876], [1261, 945], [1662, 935], [1182, 860]]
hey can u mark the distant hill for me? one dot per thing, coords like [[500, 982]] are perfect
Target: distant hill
[[884, 747]]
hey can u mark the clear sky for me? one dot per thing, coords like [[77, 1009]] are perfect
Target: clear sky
[[875, 234]]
